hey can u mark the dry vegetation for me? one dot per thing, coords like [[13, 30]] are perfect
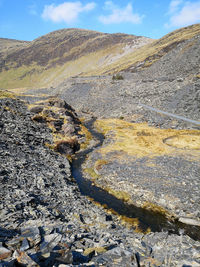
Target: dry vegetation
[[52, 58], [152, 51], [6, 45], [139, 139], [63, 143], [4, 94]]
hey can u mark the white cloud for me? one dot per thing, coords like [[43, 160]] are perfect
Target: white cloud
[[184, 14], [174, 6], [33, 9], [67, 12], [119, 15]]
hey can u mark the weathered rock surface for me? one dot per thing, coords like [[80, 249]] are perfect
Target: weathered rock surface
[[145, 166], [169, 182], [44, 219]]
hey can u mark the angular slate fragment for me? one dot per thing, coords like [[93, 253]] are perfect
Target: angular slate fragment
[[50, 241], [25, 245], [23, 258], [4, 252], [32, 234]]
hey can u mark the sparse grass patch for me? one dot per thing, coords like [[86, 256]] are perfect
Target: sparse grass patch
[[88, 137], [50, 146], [6, 94], [92, 173], [139, 139], [124, 196], [117, 76], [20, 77], [99, 164], [184, 141]]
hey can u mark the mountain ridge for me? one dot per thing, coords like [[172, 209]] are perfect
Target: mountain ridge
[[49, 53], [50, 59]]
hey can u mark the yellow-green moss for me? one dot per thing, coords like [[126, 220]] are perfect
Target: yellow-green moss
[[50, 146], [118, 194], [88, 137], [156, 209], [99, 163], [92, 173], [6, 94]]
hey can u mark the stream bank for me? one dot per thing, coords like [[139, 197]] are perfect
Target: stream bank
[[45, 221], [147, 220]]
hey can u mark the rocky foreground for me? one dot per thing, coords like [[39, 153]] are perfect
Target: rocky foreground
[[45, 221]]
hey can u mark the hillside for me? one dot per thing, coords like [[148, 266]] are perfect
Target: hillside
[[100, 150], [152, 52], [8, 45], [143, 144], [54, 57], [51, 59], [170, 83]]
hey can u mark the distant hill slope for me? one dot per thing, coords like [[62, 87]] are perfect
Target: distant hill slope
[[52, 58], [152, 52], [8, 45]]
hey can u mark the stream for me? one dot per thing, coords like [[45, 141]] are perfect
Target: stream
[[147, 219]]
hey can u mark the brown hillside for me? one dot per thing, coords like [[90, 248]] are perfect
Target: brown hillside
[[6, 45], [37, 61], [63, 45], [52, 58], [152, 52]]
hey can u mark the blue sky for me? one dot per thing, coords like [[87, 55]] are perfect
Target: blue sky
[[29, 19]]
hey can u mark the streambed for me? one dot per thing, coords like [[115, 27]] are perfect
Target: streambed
[[154, 221]]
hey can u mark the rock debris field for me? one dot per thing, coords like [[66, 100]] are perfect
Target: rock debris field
[[45, 221]]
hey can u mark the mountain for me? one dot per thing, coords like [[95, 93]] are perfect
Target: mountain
[[152, 52], [52, 58], [169, 79], [113, 117], [8, 45], [56, 56]]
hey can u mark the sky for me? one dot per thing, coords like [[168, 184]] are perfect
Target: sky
[[30, 19]]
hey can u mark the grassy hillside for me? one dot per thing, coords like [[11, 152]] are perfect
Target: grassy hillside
[[56, 56], [8, 45], [50, 59], [151, 52]]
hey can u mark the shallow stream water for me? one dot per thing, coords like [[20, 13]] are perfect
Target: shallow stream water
[[147, 219]]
